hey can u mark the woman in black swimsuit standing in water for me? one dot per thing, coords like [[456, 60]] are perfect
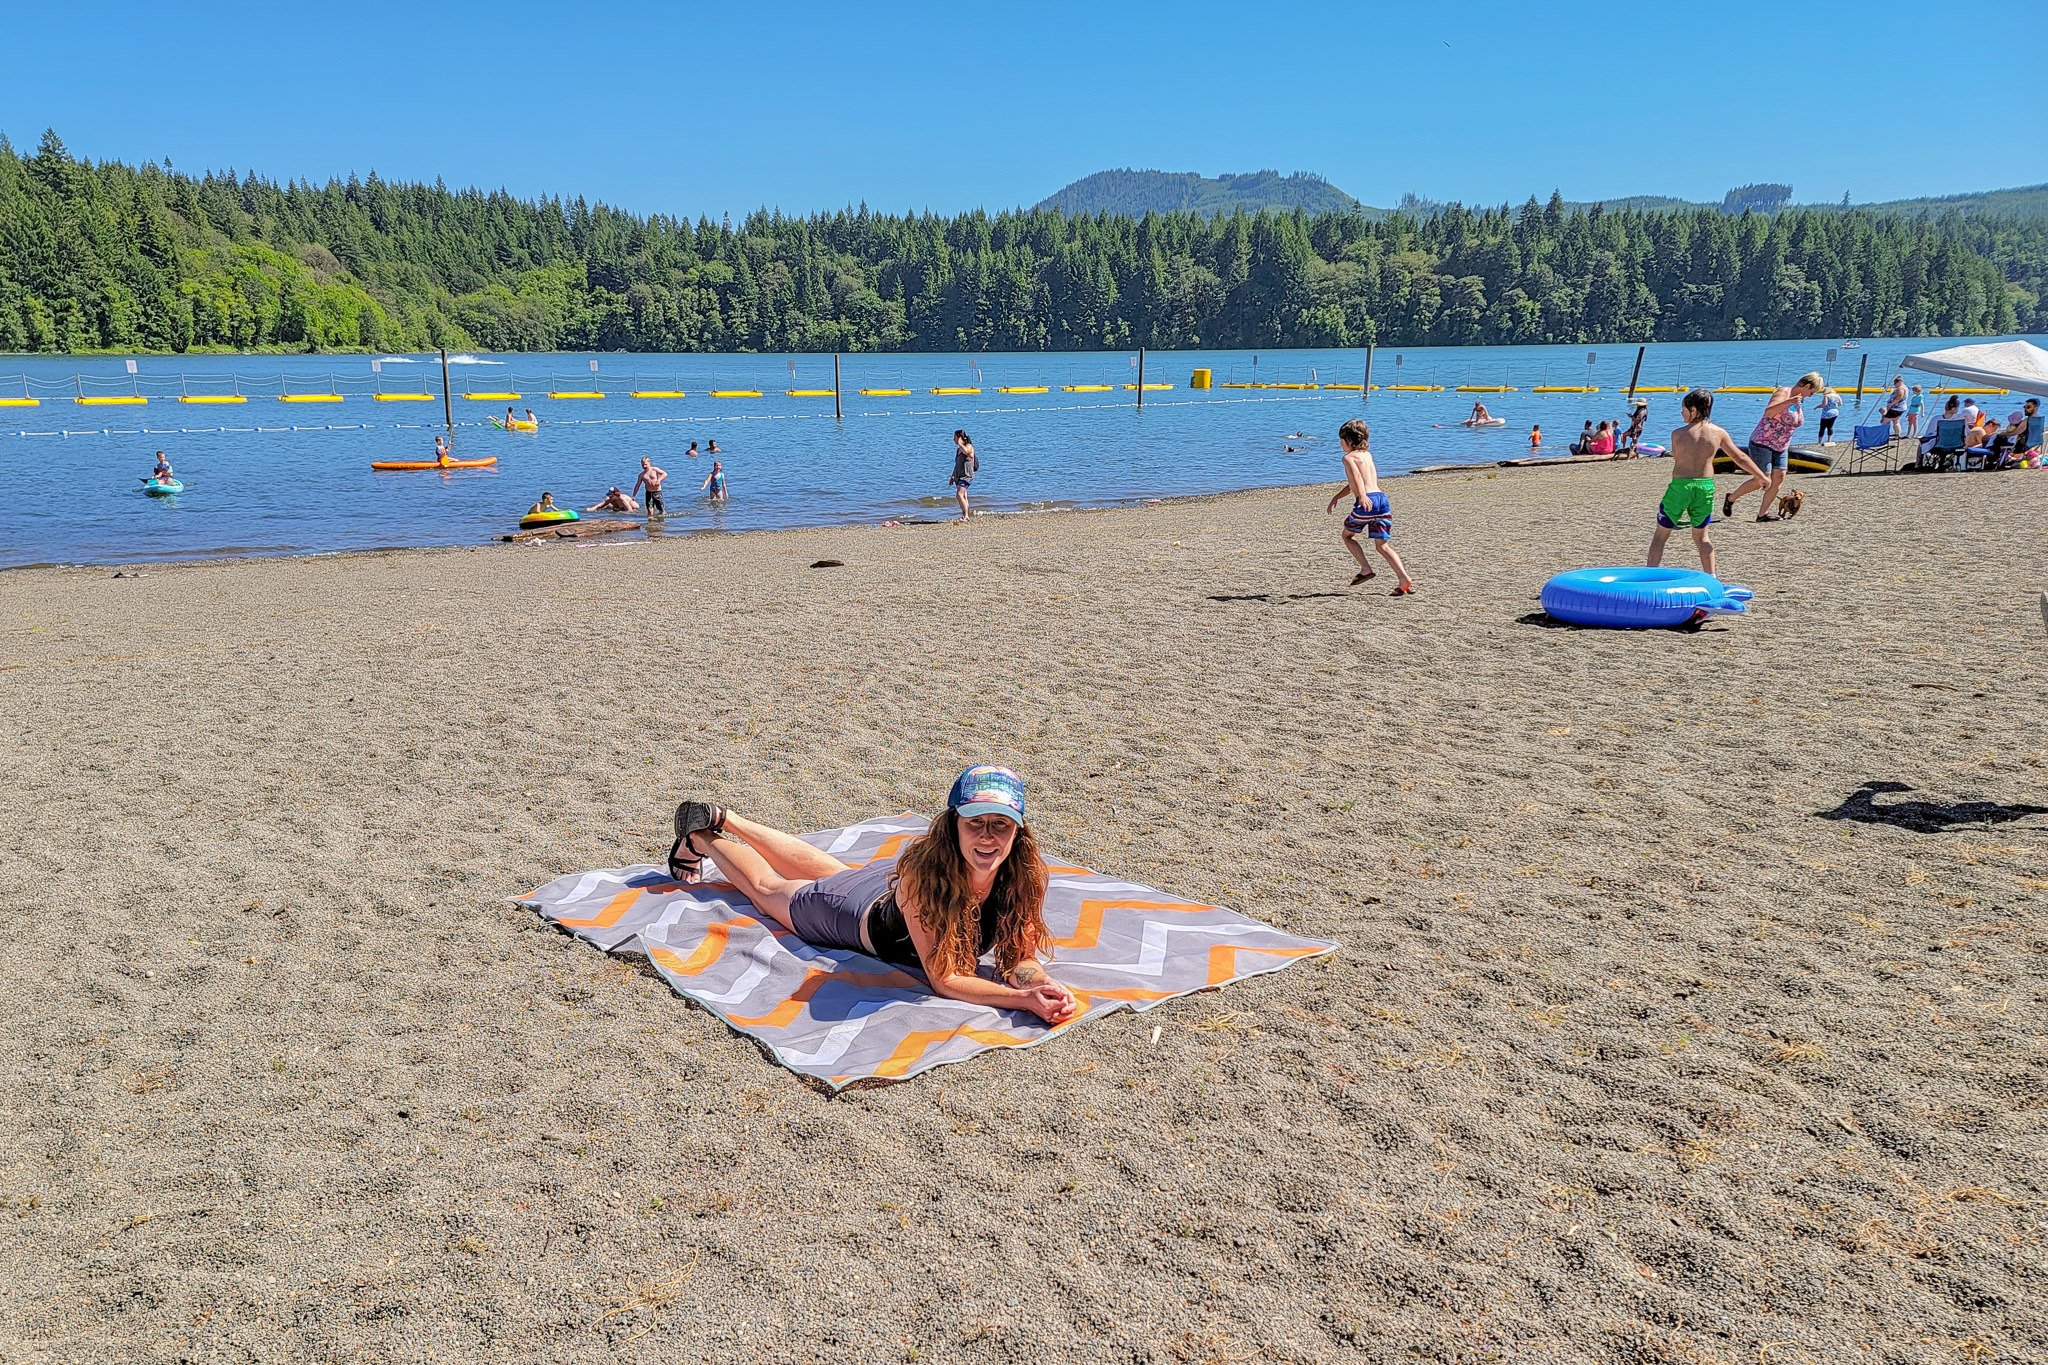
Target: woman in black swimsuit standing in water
[[971, 884]]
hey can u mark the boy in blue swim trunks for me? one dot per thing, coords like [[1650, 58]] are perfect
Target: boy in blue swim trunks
[[1370, 511]]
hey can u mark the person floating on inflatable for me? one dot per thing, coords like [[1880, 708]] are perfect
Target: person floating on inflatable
[[162, 472], [1480, 416], [1689, 497]]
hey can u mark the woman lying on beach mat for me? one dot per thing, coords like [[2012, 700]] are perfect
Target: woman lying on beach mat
[[970, 884]]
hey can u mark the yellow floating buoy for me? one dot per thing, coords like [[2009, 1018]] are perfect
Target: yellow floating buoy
[[1242, 386], [1662, 388], [405, 397], [951, 392], [1151, 388], [1747, 388], [212, 398], [1200, 379], [809, 393], [20, 402], [657, 393], [1353, 388], [1025, 388], [1566, 388], [1486, 388], [309, 398], [491, 397], [582, 393], [886, 393], [735, 393], [1085, 388], [122, 400], [1420, 388], [1954, 389]]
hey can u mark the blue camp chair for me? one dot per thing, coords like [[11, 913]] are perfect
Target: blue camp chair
[[1876, 444], [1951, 439]]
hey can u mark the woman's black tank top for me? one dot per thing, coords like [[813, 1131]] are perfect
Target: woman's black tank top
[[891, 936]]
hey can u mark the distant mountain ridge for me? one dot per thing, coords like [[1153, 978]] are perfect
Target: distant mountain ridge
[[1136, 193]]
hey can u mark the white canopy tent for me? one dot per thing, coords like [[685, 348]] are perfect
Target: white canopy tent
[[2017, 365]]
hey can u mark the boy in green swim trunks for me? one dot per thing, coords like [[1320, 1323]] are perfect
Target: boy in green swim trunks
[[1689, 498]]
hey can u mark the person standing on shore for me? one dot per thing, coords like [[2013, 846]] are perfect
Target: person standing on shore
[[1894, 402], [965, 465], [1370, 510], [1830, 409], [652, 476], [1770, 445], [1914, 404], [1689, 497]]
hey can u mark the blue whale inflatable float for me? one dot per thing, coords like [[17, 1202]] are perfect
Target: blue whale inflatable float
[[1640, 598]]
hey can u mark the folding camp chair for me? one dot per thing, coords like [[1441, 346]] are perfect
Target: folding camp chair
[[1951, 439], [1878, 445]]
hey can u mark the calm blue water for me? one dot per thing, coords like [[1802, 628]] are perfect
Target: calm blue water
[[267, 477]]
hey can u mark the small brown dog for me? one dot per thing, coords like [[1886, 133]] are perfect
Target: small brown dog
[[1790, 503]]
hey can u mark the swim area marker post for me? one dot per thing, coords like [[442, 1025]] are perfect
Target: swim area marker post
[[1141, 378], [1634, 375], [1366, 387], [447, 404], [1859, 378], [837, 415]]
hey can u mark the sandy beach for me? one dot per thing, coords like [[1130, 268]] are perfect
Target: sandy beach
[[1629, 1053]]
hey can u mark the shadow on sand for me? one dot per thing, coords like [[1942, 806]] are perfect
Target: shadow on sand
[[1923, 817], [1273, 597], [1549, 622]]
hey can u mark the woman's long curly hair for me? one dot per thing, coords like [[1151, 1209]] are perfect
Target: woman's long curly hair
[[933, 874]]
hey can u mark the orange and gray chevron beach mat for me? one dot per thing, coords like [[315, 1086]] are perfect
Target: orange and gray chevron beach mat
[[842, 1017]]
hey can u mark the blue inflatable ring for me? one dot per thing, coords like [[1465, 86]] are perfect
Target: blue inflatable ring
[[1639, 597]]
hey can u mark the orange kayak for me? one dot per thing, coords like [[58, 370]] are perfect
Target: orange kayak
[[433, 464]]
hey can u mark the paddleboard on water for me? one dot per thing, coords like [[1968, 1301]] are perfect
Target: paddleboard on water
[[162, 488], [433, 464], [1491, 422]]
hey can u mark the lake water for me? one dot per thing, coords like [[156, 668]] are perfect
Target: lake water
[[266, 477]]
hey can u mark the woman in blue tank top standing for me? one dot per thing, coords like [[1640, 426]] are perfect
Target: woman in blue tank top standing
[[972, 884]]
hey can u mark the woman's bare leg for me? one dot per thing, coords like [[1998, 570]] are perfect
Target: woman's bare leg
[[749, 871], [786, 855]]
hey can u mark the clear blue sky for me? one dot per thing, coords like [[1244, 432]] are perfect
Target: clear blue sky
[[703, 109]]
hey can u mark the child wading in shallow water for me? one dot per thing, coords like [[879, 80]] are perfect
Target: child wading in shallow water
[[1370, 511]]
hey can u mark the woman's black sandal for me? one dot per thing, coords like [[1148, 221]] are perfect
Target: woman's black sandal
[[692, 817]]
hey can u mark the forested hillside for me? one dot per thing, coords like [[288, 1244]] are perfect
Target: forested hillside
[[109, 256], [1137, 193]]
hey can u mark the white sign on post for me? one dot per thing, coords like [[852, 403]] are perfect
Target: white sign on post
[[593, 367], [376, 367], [131, 367]]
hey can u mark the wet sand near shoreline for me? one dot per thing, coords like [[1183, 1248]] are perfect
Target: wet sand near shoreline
[[1656, 1033]]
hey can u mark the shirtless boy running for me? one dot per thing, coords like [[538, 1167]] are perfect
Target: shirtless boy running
[[1370, 511], [1689, 498]]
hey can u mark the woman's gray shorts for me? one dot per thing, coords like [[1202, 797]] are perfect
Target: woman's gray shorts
[[828, 912]]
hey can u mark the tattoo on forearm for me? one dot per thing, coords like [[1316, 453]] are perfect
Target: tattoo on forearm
[[1027, 974]]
